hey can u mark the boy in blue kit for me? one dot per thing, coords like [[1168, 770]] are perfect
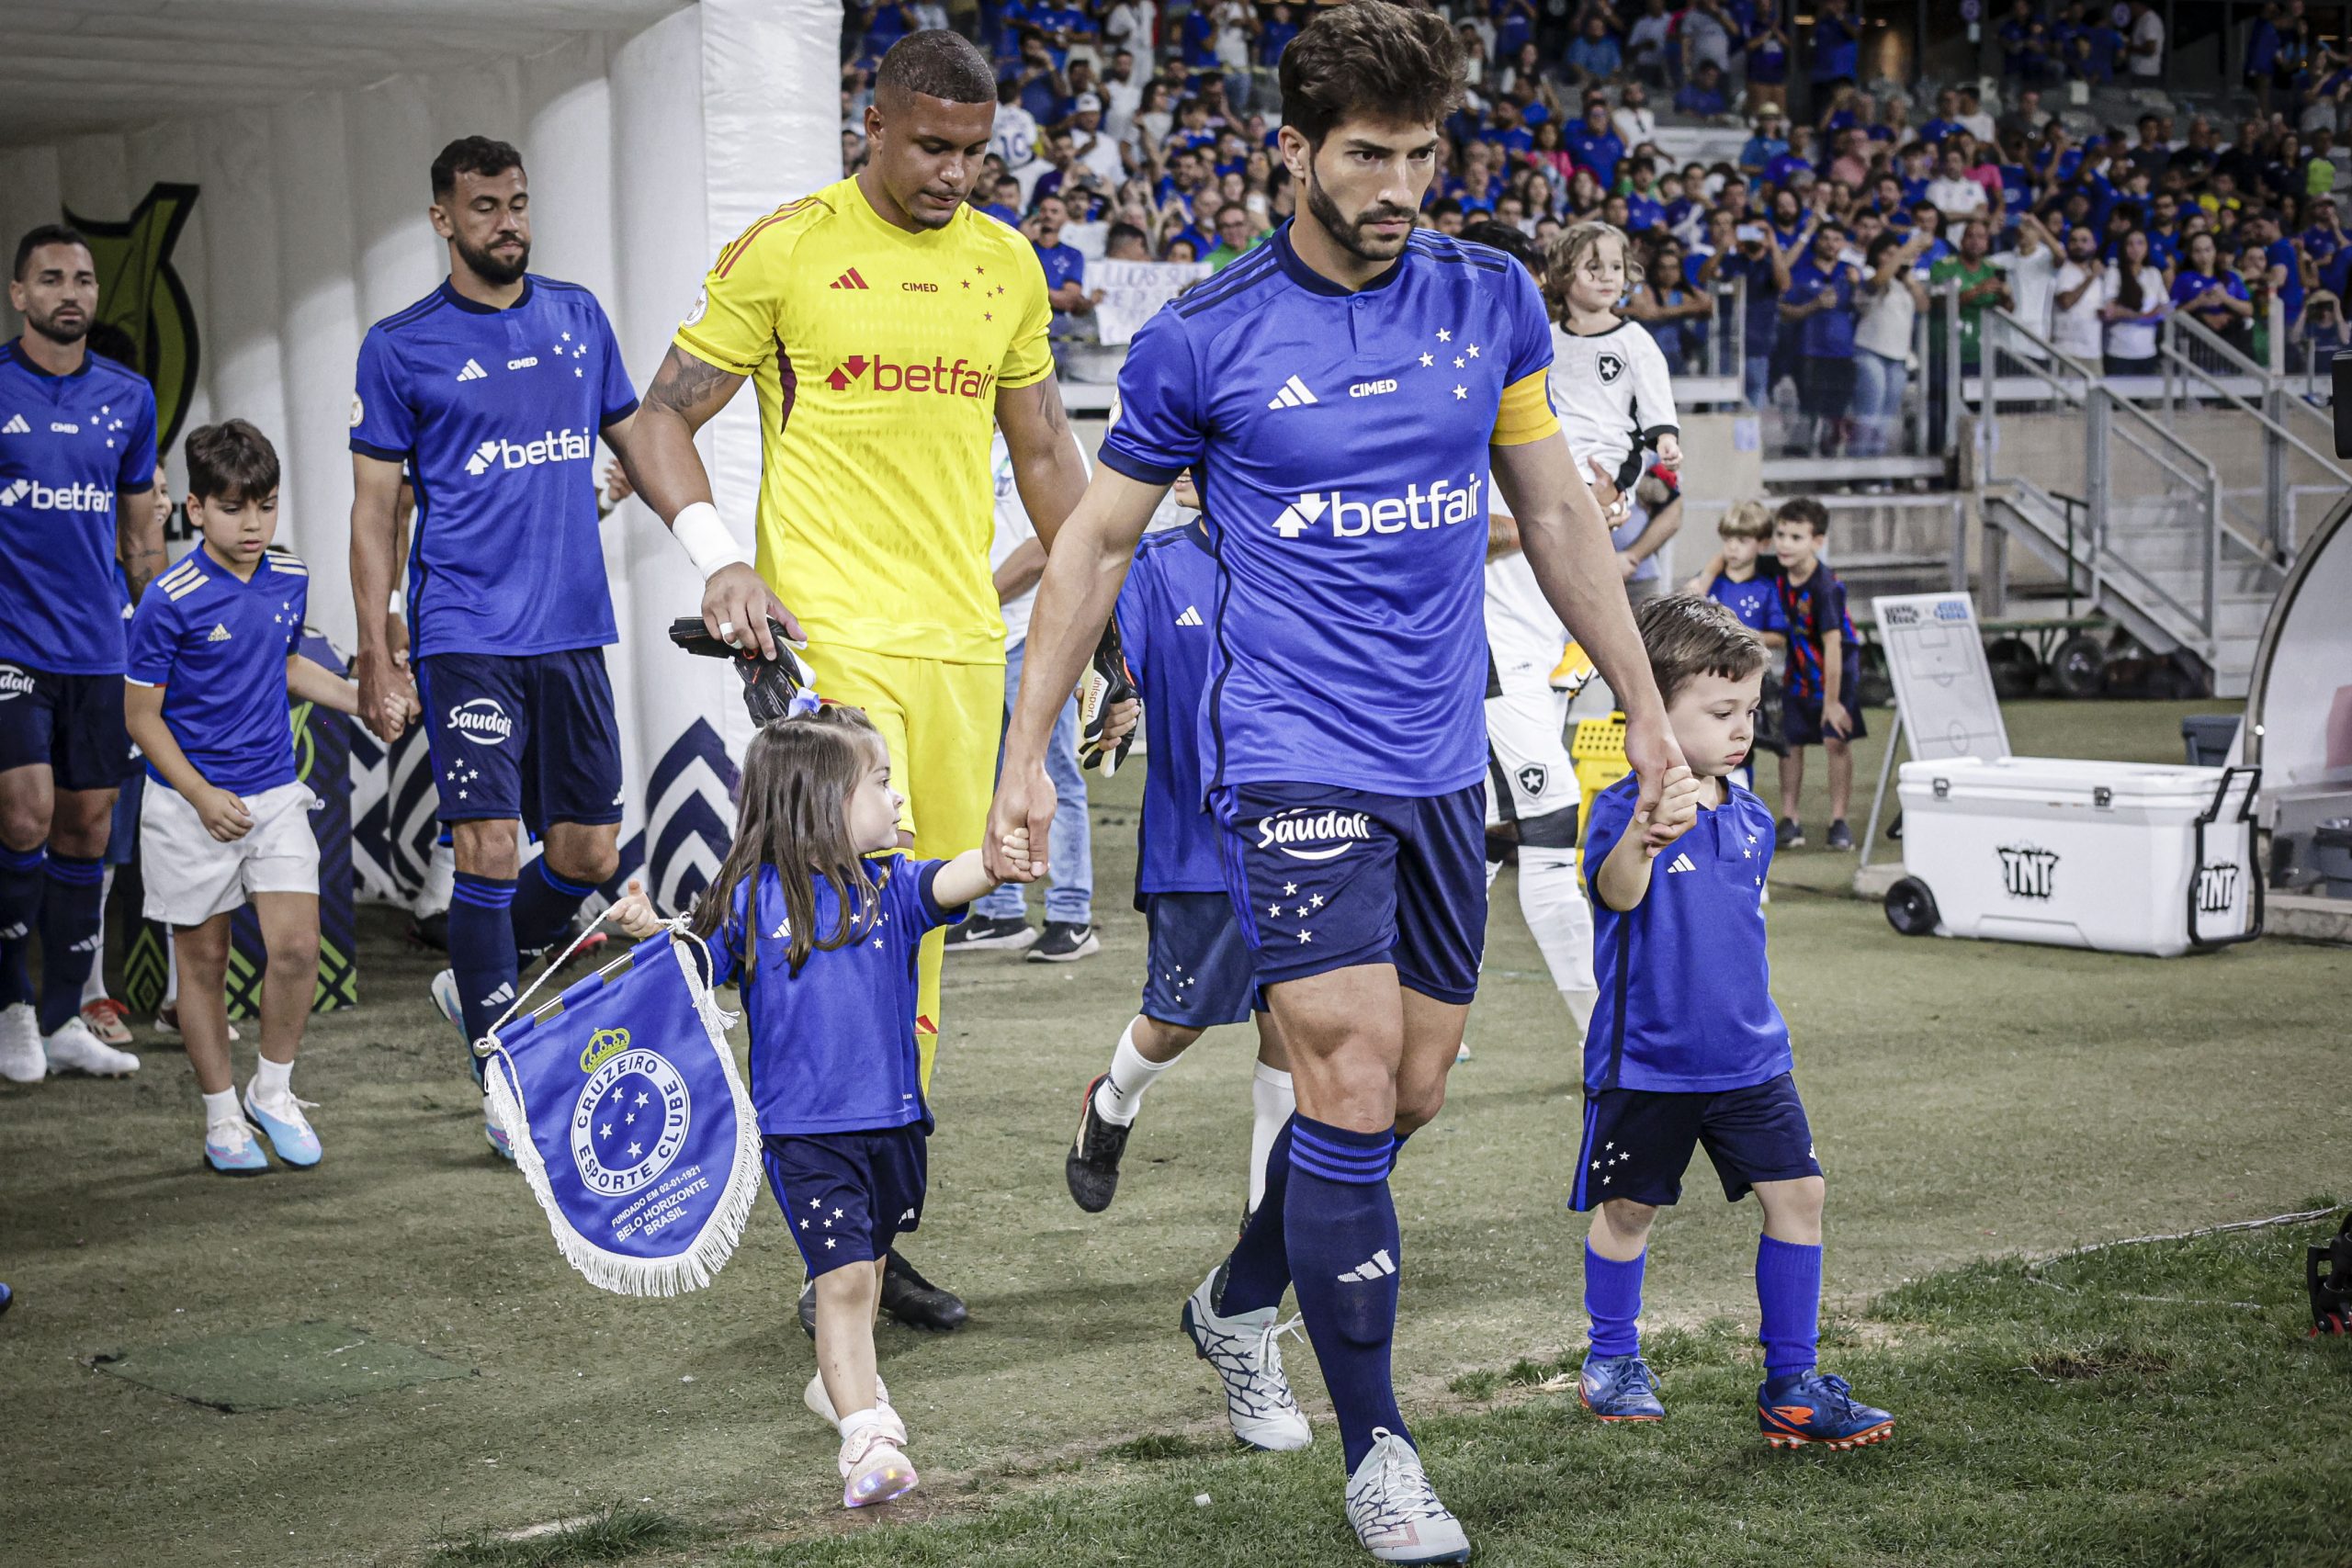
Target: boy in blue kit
[[1687, 1048], [1822, 702], [1756, 600], [225, 820], [1198, 970], [815, 918]]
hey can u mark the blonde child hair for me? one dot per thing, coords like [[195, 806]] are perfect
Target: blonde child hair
[[1747, 520], [1564, 255]]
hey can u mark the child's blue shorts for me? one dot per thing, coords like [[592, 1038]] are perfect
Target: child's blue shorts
[[847, 1196], [1638, 1141]]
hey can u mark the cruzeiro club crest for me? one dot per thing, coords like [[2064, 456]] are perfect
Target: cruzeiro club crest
[[1610, 363], [141, 293], [630, 1121]]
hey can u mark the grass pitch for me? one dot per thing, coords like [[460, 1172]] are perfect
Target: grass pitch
[[1972, 1101]]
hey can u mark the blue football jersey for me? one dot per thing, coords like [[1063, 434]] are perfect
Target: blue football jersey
[[218, 648], [497, 412], [1164, 611], [833, 1047], [1341, 442], [1756, 602], [1686, 986], [69, 445]]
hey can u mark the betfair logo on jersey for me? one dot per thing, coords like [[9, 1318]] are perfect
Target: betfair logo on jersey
[[35, 496], [1436, 507], [961, 379], [555, 446]]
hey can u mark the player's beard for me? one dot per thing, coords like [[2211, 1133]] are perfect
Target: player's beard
[[1347, 233], [50, 328], [496, 269]]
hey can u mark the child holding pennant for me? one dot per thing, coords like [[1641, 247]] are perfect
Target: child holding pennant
[[816, 917]]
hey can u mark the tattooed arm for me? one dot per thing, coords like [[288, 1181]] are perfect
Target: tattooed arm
[[139, 537], [656, 447]]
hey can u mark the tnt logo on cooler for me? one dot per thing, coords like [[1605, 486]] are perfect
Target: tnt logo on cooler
[[2217, 889], [483, 721], [555, 446], [1308, 834], [2028, 871]]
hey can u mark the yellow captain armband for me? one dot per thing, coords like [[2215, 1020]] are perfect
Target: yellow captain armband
[[1526, 413]]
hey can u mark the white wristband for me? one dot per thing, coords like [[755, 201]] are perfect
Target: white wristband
[[708, 542], [398, 606]]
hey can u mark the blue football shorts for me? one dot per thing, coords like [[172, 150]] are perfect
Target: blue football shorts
[[531, 737], [1638, 1141]]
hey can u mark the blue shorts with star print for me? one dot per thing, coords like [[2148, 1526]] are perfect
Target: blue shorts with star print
[[1638, 1141], [1326, 878], [530, 738], [1197, 969], [847, 1196]]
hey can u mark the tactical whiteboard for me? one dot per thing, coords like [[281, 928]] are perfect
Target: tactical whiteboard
[[1943, 689]]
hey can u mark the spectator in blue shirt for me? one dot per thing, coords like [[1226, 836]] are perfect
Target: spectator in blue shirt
[[1767, 45], [1703, 94], [1947, 121], [1043, 91], [1595, 55], [1505, 131], [1594, 141], [1274, 36], [1837, 50], [1769, 143], [1065, 271], [1514, 25], [2262, 54], [1817, 296], [2284, 261]]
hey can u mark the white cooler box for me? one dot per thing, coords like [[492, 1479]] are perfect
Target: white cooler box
[[2126, 857]]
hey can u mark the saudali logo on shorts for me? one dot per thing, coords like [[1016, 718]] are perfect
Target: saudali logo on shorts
[[960, 379], [482, 720], [14, 683], [629, 1122], [1308, 834]]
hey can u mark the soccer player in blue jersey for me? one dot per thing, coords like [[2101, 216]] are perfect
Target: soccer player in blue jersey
[[77, 479], [225, 822], [1738, 585], [1343, 390], [494, 388], [1687, 1049], [1198, 970]]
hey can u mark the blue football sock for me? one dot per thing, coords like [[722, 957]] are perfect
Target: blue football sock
[[1613, 1299], [1341, 1228], [71, 907], [1396, 1148], [20, 888], [1258, 1272], [1788, 1297], [545, 902], [481, 948]]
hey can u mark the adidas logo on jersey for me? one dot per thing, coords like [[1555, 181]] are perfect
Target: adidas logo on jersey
[[1438, 506], [472, 372], [1293, 395], [16, 426], [219, 633], [1681, 863], [1191, 617], [847, 280], [555, 446], [1379, 1265]]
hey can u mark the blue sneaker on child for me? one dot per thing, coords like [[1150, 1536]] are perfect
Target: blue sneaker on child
[[230, 1148], [1812, 1407], [1619, 1388], [290, 1136]]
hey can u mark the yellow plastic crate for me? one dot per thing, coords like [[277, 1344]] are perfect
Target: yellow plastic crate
[[1597, 750]]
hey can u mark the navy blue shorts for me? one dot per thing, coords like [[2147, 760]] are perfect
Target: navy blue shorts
[[1800, 711], [847, 1195], [1197, 969], [1326, 878], [530, 738], [1638, 1141], [72, 723]]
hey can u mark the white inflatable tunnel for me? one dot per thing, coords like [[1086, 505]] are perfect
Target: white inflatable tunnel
[[253, 172], [2299, 714]]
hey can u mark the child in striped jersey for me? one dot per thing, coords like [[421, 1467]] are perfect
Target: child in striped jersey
[[1608, 381]]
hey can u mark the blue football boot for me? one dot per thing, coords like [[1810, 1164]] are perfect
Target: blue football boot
[[1812, 1408], [290, 1137], [1619, 1388], [230, 1148]]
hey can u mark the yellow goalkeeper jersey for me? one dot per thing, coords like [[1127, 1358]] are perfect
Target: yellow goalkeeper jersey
[[877, 354]]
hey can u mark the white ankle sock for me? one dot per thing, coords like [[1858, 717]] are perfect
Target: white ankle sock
[[222, 1107], [272, 1086], [1271, 1100], [1120, 1095]]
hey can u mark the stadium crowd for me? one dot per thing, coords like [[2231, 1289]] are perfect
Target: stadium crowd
[[1846, 215]]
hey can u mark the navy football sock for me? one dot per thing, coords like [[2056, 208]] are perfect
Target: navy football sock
[[1613, 1299], [481, 948], [1396, 1148], [1340, 1227], [1788, 1296], [71, 907], [20, 890], [1258, 1272], [545, 902]]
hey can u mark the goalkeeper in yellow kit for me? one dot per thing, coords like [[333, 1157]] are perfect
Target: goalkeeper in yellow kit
[[887, 327]]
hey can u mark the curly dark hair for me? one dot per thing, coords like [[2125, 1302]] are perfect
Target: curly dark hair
[[1369, 57]]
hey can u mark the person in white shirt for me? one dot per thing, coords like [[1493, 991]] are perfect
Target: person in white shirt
[[1951, 192], [1098, 149], [2078, 294], [2147, 45], [1015, 140], [1122, 93], [2136, 303], [1972, 118], [2033, 270], [1890, 300], [1131, 23], [1635, 120]]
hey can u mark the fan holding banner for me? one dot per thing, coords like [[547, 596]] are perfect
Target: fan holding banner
[[634, 1132]]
